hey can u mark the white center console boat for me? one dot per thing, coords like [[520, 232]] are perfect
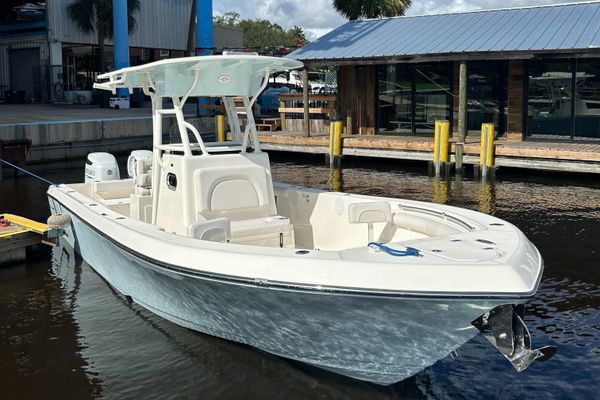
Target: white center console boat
[[372, 288]]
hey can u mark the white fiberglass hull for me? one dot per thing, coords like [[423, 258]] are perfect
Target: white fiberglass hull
[[378, 338]]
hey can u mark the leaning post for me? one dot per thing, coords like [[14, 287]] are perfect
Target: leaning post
[[462, 115]]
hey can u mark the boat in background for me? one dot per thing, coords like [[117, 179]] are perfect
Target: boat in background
[[368, 287]]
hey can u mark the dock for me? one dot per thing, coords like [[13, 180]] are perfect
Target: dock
[[547, 155], [17, 234]]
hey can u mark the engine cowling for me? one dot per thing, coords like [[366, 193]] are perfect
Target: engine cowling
[[100, 167]]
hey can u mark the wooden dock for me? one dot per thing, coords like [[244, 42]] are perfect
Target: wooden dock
[[541, 155], [18, 233]]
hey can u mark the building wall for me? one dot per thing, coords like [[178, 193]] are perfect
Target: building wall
[[161, 24], [357, 96], [228, 37], [8, 44], [516, 69]]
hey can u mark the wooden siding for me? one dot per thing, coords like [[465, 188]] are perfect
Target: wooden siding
[[357, 97], [515, 100]]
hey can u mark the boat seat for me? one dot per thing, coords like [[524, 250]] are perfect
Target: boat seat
[[216, 230], [370, 213], [112, 190], [242, 191]]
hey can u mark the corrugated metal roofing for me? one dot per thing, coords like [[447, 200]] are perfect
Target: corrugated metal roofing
[[565, 27]]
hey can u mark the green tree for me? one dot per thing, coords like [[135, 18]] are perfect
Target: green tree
[[261, 32], [228, 19], [355, 9], [97, 16]]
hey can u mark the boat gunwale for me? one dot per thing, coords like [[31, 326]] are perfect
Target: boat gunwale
[[313, 288]]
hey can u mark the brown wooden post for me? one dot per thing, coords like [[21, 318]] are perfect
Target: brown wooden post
[[349, 127], [455, 102], [282, 115], [462, 115], [305, 101], [516, 130]]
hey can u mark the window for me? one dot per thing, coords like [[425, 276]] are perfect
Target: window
[[432, 95], [549, 98], [411, 97], [587, 98], [395, 98], [487, 95]]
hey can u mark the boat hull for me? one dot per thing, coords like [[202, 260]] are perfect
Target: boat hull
[[378, 338]]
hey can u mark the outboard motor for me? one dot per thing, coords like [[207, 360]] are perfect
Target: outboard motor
[[134, 158], [101, 167]]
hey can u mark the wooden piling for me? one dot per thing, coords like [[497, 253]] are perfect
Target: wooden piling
[[440, 146], [220, 122], [486, 153], [305, 101], [335, 151], [462, 115]]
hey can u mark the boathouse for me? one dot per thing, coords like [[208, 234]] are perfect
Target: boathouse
[[534, 72]]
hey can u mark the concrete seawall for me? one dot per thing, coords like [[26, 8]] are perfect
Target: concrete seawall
[[63, 140]]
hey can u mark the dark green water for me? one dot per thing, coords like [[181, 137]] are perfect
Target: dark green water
[[65, 333]]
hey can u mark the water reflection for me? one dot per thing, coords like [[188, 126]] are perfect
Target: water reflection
[[40, 354]]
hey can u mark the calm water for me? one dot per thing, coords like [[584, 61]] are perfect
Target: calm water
[[65, 333]]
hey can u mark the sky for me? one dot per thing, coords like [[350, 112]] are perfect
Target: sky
[[318, 17]]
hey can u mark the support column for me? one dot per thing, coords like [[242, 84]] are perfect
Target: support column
[[191, 41], [55, 61], [305, 102], [204, 27], [121, 38], [462, 115], [516, 80]]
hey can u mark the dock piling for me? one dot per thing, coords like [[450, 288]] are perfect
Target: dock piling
[[334, 158], [486, 153], [440, 146], [220, 121], [462, 115]]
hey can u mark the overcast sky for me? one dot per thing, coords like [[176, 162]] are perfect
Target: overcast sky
[[318, 17]]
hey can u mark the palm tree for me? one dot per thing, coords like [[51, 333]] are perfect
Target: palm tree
[[97, 16], [355, 9]]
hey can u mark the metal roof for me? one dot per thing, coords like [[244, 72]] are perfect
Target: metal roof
[[566, 28]]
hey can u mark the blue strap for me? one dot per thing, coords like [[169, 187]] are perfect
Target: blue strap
[[394, 252]]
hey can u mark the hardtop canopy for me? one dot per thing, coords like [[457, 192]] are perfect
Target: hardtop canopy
[[214, 76]]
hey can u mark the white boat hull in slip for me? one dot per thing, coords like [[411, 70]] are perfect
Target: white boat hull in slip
[[372, 288]]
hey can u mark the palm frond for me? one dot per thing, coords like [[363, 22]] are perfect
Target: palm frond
[[355, 9], [83, 13]]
